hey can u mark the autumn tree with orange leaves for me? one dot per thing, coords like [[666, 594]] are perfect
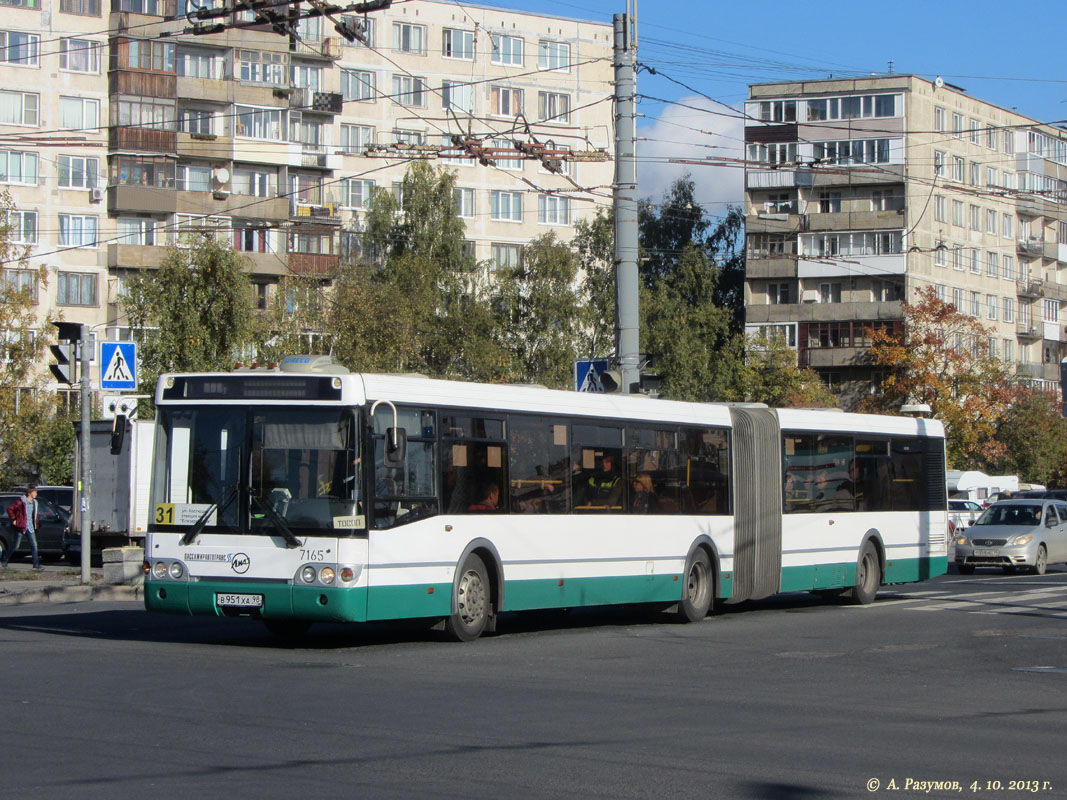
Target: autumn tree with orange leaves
[[942, 359]]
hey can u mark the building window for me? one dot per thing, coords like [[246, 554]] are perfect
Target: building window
[[992, 261], [991, 137], [976, 174], [957, 299], [19, 49], [940, 255], [76, 289], [505, 256], [976, 261], [506, 102], [194, 178], [976, 218], [413, 138], [1009, 142], [77, 172], [553, 210], [957, 213], [22, 227], [357, 85], [505, 206], [409, 38], [1009, 268], [305, 76], [1051, 310], [940, 212], [783, 110], [957, 169], [309, 132], [409, 91], [553, 55], [508, 161], [1009, 309], [356, 192], [458, 97], [939, 164], [553, 106], [154, 171], [85, 8], [147, 55], [464, 202], [76, 230], [1009, 350], [976, 136], [829, 202], [957, 258], [829, 292], [976, 304], [79, 55], [941, 292], [78, 114], [507, 50], [939, 120], [199, 64], [887, 200], [457, 43], [991, 306], [259, 123], [356, 138], [271, 69], [852, 151], [1007, 226], [255, 182], [991, 221], [21, 280], [451, 153], [194, 120], [19, 108], [778, 294], [135, 230], [18, 167], [957, 125], [248, 238]]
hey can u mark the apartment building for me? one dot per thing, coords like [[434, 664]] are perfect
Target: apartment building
[[861, 192], [120, 130]]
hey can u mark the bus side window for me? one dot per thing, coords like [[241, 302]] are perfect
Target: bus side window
[[539, 465]]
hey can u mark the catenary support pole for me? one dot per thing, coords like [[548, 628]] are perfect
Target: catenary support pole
[[85, 516], [627, 334]]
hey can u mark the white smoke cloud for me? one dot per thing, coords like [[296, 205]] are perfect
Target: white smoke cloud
[[695, 129]]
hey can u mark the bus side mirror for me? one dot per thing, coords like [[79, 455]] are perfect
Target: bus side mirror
[[396, 447]]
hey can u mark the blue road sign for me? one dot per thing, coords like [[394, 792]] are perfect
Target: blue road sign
[[587, 374], [118, 365]]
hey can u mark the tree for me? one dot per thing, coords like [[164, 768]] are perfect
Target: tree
[[695, 341], [194, 313], [941, 359], [594, 244], [1033, 438], [36, 438], [537, 305], [770, 375], [422, 309]]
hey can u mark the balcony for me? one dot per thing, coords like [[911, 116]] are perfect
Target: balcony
[[1043, 289], [327, 214], [779, 266], [777, 178], [824, 312], [222, 203], [142, 84], [141, 139], [1026, 329], [313, 263], [208, 89], [142, 199], [1033, 246], [135, 255], [204, 145], [1044, 372], [854, 220], [772, 221]]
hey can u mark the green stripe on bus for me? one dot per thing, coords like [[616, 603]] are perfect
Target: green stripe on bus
[[833, 576], [574, 592], [280, 601]]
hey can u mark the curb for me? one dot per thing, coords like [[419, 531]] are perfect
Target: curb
[[78, 593]]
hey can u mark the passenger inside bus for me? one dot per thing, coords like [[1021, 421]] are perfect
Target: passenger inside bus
[[490, 499], [644, 499], [603, 489]]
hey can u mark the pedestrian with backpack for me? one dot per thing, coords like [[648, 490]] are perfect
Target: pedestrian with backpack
[[24, 516]]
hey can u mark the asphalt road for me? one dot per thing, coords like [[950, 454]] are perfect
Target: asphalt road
[[958, 679]]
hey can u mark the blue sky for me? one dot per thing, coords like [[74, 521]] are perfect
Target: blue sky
[[1000, 52]]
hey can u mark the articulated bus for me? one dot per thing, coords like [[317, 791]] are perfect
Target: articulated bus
[[303, 493]]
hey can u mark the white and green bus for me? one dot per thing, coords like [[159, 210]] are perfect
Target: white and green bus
[[303, 493]]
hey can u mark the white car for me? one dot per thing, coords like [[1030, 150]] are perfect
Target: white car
[[962, 513]]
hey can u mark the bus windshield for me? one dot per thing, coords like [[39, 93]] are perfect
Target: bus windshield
[[257, 470]]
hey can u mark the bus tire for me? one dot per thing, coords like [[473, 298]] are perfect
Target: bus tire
[[471, 602], [287, 629], [868, 577], [698, 589]]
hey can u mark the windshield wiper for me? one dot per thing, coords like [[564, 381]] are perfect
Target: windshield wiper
[[195, 529], [277, 519]]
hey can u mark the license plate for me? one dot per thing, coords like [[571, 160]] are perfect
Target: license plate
[[987, 552], [240, 600]]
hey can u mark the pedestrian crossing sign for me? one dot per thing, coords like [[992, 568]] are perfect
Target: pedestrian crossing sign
[[118, 362], [587, 374]]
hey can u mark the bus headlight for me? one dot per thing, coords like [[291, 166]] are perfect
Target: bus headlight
[[307, 574], [176, 570], [159, 571], [326, 575]]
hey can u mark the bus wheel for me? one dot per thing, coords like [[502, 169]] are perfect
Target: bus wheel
[[697, 591], [867, 577], [472, 602], [287, 629]]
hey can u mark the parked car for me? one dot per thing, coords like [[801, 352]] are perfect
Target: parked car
[[963, 513], [1011, 534], [62, 496], [52, 523]]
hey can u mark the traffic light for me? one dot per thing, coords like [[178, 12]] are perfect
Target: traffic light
[[64, 371], [66, 352]]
